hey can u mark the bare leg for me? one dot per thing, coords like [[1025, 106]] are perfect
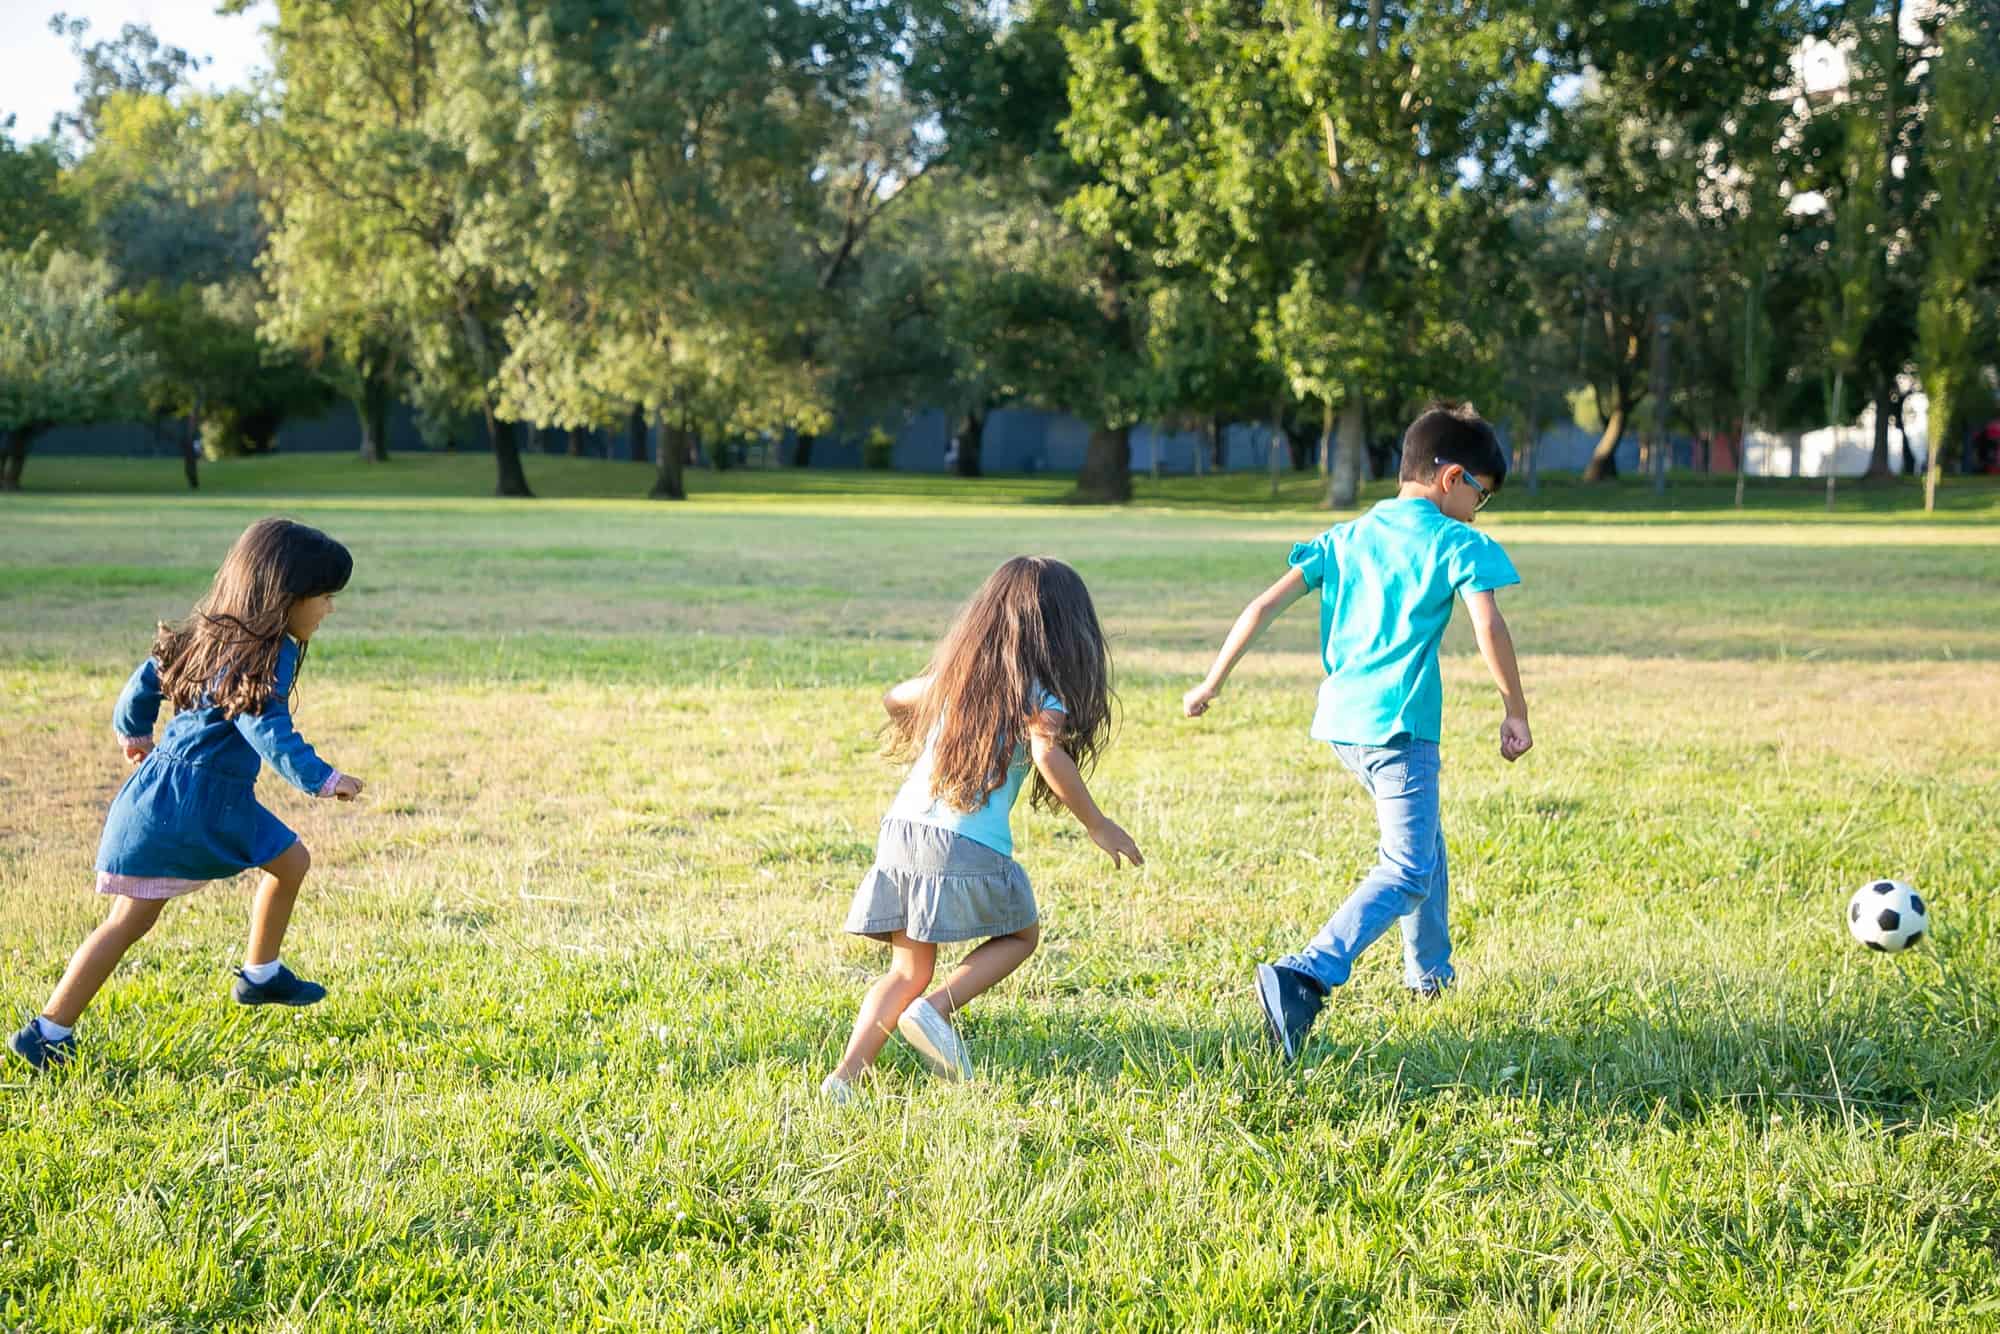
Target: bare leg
[[983, 967], [911, 963], [271, 913], [99, 954]]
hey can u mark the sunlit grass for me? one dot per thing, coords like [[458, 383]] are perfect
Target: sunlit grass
[[585, 966]]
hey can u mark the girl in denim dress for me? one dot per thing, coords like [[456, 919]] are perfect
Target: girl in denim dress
[[1020, 683], [189, 812]]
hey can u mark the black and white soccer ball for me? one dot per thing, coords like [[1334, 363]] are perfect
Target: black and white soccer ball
[[1887, 915]]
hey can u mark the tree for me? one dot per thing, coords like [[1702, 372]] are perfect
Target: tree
[[1962, 155], [362, 141], [1670, 138], [135, 63], [1324, 167], [32, 201], [704, 178], [64, 360]]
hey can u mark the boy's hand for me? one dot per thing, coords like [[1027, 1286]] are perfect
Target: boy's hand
[[1515, 739], [1118, 843], [347, 788], [136, 748], [1195, 703]]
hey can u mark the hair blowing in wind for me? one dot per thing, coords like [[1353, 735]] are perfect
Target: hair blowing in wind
[[1031, 627], [227, 648]]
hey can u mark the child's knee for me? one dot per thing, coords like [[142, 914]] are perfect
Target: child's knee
[[291, 865], [1030, 937], [132, 918], [911, 969]]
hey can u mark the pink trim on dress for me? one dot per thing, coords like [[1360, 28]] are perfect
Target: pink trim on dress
[[145, 886], [333, 777], [146, 740]]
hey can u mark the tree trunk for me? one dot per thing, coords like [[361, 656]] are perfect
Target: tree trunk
[[371, 405], [506, 442], [1276, 447], [1603, 463], [1106, 478], [971, 440], [1326, 443], [190, 455], [1218, 443], [635, 435], [15, 456], [1878, 454], [575, 447], [671, 449], [1345, 489], [802, 449]]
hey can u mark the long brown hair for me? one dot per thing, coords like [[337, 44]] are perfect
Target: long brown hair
[[227, 648], [1031, 627]]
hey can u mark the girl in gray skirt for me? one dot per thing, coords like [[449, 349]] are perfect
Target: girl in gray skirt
[[1021, 681]]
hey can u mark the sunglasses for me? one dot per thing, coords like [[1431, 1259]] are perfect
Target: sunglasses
[[1485, 496]]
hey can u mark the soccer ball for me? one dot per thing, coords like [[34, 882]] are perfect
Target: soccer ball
[[1887, 915]]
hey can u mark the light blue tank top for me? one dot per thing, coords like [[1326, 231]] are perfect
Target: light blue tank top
[[992, 823]]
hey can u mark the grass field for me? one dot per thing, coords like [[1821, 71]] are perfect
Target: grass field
[[582, 936]]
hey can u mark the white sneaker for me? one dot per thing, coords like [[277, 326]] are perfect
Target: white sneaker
[[837, 1090], [934, 1039]]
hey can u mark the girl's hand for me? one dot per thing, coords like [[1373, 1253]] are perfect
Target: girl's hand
[[137, 748], [347, 788], [1515, 739], [1117, 842], [1195, 703]]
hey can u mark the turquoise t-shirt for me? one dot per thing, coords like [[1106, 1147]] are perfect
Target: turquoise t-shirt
[[991, 824], [1386, 582]]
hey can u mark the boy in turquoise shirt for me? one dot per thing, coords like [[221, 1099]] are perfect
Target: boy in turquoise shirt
[[1386, 582]]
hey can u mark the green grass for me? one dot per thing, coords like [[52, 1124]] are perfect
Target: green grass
[[583, 945]]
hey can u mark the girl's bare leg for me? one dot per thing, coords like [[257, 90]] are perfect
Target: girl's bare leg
[[99, 954], [911, 963], [979, 970], [271, 912]]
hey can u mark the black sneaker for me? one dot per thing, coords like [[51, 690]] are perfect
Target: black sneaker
[[41, 1052], [285, 987], [1290, 1001]]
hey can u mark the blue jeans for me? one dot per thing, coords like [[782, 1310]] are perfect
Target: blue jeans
[[1409, 884]]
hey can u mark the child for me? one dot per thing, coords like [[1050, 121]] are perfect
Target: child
[[1386, 582], [189, 812], [1023, 674]]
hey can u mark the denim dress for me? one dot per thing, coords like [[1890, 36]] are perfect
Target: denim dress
[[189, 813]]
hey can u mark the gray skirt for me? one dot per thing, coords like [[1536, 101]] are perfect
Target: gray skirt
[[934, 885]]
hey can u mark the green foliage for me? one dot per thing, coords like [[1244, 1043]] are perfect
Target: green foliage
[[209, 362], [32, 202], [1963, 155], [64, 358]]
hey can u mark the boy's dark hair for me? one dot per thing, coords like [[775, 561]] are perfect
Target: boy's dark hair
[[1452, 433]]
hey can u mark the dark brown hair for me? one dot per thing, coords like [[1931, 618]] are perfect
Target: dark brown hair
[[227, 648], [1030, 628], [1454, 433]]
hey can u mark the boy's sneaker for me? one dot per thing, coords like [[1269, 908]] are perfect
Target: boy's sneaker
[[1290, 1001], [284, 987], [39, 1051], [1433, 988], [837, 1091], [935, 1040]]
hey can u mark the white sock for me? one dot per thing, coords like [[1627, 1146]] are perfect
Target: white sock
[[260, 973], [51, 1030]]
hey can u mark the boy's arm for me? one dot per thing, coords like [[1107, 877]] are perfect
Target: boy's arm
[[1266, 607], [1056, 766], [1496, 645]]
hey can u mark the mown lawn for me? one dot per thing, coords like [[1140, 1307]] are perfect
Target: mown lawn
[[582, 937]]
